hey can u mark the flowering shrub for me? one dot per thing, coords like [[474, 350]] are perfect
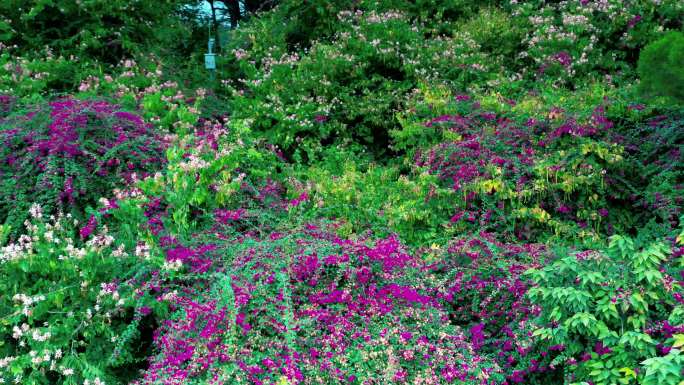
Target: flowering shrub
[[348, 88], [65, 305], [308, 307], [486, 293], [526, 173], [394, 192], [69, 153], [350, 84], [218, 170], [571, 39]]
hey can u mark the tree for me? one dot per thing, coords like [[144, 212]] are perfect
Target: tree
[[105, 30], [660, 67]]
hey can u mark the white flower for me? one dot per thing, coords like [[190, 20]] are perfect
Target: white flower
[[119, 252], [175, 265], [36, 211], [4, 362], [142, 250], [40, 337]]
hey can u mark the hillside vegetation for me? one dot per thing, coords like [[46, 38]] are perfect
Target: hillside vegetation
[[364, 192]]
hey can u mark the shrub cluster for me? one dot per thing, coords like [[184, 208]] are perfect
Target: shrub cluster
[[66, 154], [429, 192]]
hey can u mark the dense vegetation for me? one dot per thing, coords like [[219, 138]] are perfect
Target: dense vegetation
[[394, 192]]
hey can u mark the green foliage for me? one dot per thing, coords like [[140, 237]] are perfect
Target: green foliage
[[664, 370], [349, 87], [382, 199], [102, 30], [609, 309], [660, 67], [496, 32], [66, 305]]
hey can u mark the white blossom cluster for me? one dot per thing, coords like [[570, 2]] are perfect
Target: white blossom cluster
[[27, 301], [101, 240]]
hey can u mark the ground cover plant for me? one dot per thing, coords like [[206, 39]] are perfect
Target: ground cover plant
[[430, 192]]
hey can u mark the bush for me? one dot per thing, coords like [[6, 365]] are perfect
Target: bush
[[67, 154], [611, 310], [496, 32], [348, 88], [307, 306], [570, 41], [660, 67], [521, 175], [383, 200], [67, 306], [485, 291]]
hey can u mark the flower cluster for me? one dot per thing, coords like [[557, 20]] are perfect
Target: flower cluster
[[69, 153]]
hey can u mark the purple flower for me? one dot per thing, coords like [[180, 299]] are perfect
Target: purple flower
[[563, 209], [601, 349], [563, 58], [88, 228], [227, 216], [632, 22], [518, 376], [144, 310], [477, 336], [363, 275], [406, 336], [303, 197], [400, 376]]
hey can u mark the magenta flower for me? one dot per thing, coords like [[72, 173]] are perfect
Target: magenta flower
[[88, 229], [633, 21], [477, 336], [601, 349]]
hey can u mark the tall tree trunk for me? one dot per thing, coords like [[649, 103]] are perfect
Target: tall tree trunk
[[217, 43], [234, 12]]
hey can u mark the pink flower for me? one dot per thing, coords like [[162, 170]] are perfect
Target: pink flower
[[303, 197]]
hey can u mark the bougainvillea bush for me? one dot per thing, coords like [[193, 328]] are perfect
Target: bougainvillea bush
[[306, 306], [570, 171], [68, 153]]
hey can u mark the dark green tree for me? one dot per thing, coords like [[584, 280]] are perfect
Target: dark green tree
[[104, 30], [661, 67]]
